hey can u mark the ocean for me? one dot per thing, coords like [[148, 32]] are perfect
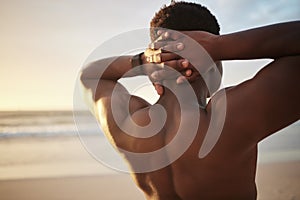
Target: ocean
[[42, 123], [281, 146]]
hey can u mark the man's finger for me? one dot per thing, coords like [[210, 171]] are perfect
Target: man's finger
[[157, 44], [169, 35], [173, 47], [170, 46], [163, 75], [168, 56], [183, 79], [178, 65]]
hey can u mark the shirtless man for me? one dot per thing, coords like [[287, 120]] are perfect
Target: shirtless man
[[255, 108]]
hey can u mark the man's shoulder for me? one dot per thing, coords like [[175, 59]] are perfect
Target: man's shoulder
[[226, 117]]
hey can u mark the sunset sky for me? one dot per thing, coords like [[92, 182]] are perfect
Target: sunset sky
[[44, 43]]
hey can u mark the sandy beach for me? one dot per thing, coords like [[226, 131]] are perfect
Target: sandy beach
[[59, 168], [74, 188]]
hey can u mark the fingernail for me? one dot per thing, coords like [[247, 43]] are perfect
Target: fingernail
[[179, 46], [154, 75], [167, 34], [188, 72], [159, 32], [185, 63], [180, 80]]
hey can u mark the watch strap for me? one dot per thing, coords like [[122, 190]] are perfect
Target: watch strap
[[136, 60]]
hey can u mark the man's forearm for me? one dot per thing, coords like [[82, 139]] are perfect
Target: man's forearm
[[272, 41], [112, 68]]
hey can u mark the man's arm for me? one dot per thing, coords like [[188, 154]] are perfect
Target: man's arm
[[269, 101], [101, 78], [266, 103], [273, 41]]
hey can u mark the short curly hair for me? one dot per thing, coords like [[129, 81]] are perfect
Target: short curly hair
[[184, 16]]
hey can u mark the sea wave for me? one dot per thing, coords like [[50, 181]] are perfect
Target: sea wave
[[44, 123]]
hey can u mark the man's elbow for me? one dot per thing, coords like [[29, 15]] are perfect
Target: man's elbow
[[87, 81], [85, 75], [83, 78]]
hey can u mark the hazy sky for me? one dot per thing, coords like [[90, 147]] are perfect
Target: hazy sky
[[43, 43]]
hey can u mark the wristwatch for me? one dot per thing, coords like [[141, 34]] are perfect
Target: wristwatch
[[136, 60]]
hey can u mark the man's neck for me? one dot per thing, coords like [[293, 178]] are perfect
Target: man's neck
[[183, 94]]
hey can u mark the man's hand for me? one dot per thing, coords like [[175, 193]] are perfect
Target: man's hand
[[187, 41], [157, 72], [197, 49]]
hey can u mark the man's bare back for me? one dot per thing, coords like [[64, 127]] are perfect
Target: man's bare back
[[255, 109], [217, 176]]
